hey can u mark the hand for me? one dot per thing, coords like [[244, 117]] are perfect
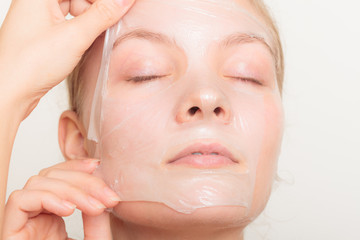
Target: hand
[[36, 211], [39, 47]]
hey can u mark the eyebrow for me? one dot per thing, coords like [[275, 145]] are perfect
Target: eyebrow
[[146, 35], [230, 40], [241, 38]]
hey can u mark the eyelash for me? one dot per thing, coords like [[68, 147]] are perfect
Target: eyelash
[[139, 79], [250, 80]]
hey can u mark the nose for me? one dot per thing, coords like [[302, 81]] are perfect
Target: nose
[[204, 104]]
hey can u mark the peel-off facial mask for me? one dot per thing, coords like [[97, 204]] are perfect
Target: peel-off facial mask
[[179, 110]]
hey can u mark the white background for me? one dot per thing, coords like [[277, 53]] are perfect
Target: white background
[[319, 197]]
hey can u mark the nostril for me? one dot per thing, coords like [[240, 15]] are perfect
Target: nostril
[[217, 111], [193, 110]]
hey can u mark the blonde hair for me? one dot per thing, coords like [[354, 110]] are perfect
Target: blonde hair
[[76, 85]]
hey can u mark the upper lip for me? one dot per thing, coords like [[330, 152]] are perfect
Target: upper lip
[[206, 149]]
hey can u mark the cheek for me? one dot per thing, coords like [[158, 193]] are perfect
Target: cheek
[[130, 126], [125, 130], [267, 165]]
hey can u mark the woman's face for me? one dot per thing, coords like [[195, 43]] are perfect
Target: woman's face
[[197, 76]]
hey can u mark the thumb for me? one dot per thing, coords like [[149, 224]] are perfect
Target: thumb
[[97, 227], [101, 15]]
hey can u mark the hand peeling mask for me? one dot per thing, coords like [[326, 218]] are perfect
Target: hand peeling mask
[[186, 104]]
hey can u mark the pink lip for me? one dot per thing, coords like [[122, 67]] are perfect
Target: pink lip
[[213, 156]]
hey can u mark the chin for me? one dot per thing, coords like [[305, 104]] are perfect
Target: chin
[[151, 214]]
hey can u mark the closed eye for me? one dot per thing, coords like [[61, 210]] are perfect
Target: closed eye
[[247, 80], [139, 79]]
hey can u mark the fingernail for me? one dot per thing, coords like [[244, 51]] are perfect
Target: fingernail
[[111, 195], [124, 3], [91, 161], [68, 204], [95, 203]]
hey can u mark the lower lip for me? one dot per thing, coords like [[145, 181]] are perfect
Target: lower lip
[[204, 161]]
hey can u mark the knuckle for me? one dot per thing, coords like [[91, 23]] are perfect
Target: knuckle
[[15, 198], [52, 172], [43, 172], [15, 195], [34, 180]]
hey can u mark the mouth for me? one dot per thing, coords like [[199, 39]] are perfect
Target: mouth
[[202, 155]]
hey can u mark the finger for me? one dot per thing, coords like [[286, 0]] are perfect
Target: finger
[[90, 184], [78, 7], [25, 204], [86, 165], [83, 200], [101, 15], [65, 7], [97, 227]]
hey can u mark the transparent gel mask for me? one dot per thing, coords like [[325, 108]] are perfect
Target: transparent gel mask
[[183, 80]]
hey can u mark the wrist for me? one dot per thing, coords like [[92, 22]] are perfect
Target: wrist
[[10, 111], [10, 119], [14, 108], [15, 103]]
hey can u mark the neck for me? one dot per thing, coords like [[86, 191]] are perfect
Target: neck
[[127, 230]]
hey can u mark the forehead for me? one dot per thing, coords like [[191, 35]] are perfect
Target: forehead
[[195, 22]]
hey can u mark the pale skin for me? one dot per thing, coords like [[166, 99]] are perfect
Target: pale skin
[[57, 190], [27, 43]]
